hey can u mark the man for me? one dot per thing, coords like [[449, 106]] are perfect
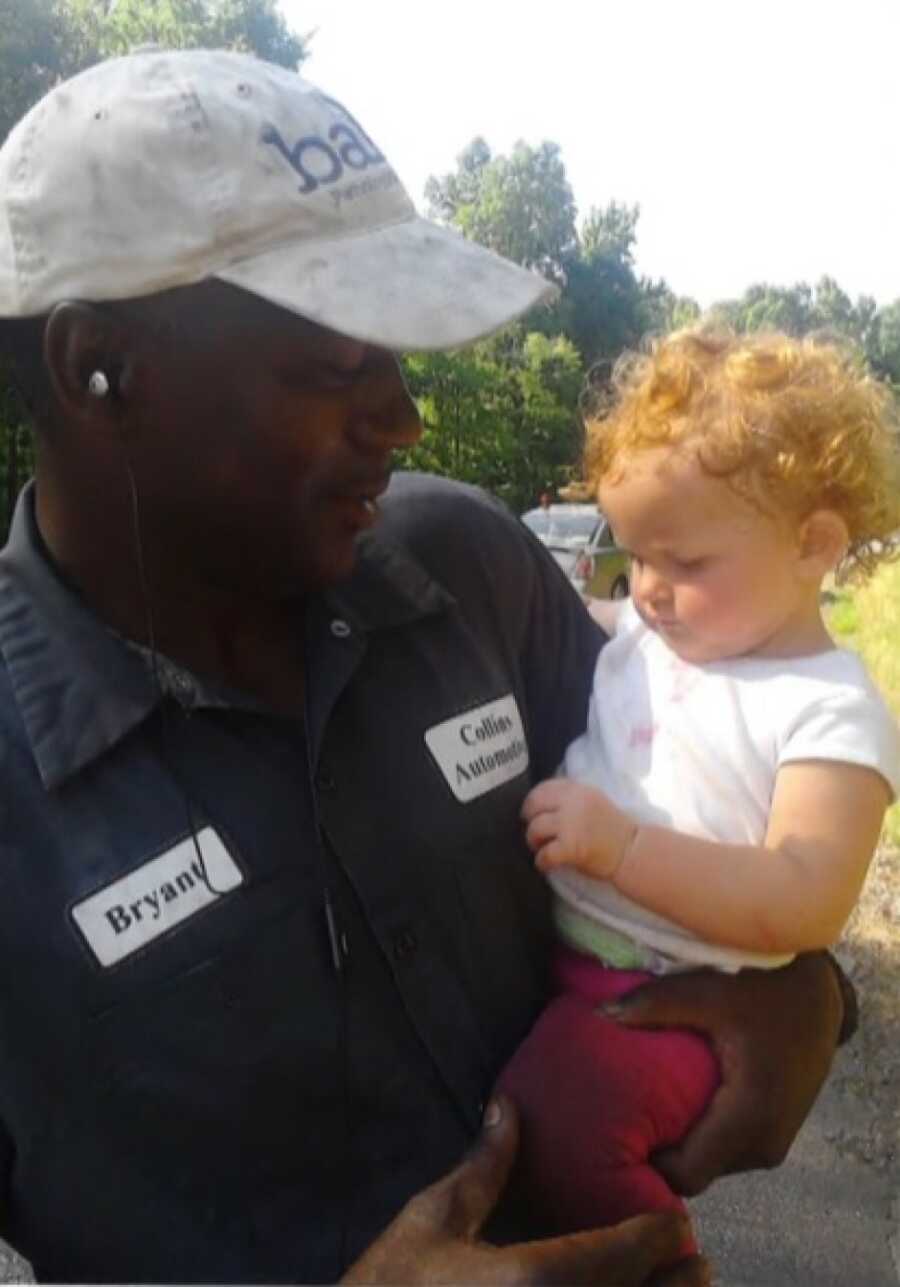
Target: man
[[268, 923]]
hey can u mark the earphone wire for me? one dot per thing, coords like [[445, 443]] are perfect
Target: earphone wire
[[150, 629], [339, 952], [336, 940]]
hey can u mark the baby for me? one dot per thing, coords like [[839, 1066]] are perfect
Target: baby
[[723, 805]]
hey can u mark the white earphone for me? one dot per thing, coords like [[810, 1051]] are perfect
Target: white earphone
[[98, 385]]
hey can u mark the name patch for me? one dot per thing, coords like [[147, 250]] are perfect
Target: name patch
[[481, 749], [136, 909]]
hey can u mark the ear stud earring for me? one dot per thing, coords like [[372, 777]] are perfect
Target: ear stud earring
[[98, 385]]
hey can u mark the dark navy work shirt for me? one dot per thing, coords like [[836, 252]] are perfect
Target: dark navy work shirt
[[203, 1077]]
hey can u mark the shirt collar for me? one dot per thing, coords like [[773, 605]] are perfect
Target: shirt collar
[[81, 688], [388, 587]]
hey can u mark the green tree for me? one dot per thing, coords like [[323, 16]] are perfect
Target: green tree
[[452, 392], [611, 232], [800, 309], [253, 26], [668, 311], [502, 414], [883, 347], [605, 307], [43, 41], [764, 307], [31, 33], [16, 447], [521, 206], [833, 310], [446, 196]]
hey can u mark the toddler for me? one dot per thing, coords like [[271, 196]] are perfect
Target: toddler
[[723, 805]]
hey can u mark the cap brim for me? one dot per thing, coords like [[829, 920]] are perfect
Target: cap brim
[[409, 285]]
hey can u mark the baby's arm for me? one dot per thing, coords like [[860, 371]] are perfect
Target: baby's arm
[[793, 893]]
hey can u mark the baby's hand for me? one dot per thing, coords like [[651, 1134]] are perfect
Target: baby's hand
[[569, 824]]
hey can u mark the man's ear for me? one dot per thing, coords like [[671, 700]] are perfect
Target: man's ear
[[823, 541], [78, 341]]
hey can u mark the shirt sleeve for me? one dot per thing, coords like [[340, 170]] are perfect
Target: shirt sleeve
[[850, 725]]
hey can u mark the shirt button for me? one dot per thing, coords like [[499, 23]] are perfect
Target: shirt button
[[340, 629], [325, 780], [403, 943], [183, 686]]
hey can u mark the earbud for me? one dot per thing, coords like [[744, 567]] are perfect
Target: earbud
[[98, 385]]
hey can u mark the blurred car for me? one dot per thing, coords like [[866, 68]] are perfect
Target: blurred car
[[581, 541]]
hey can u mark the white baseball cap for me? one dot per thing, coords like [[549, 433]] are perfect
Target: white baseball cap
[[164, 168]]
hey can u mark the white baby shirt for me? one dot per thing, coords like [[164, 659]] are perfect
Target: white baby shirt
[[697, 748]]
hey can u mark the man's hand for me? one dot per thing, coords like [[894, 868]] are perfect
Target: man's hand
[[435, 1238], [774, 1032], [570, 824]]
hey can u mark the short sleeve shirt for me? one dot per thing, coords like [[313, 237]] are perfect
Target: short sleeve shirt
[[698, 748]]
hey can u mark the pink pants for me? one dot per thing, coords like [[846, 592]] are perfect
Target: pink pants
[[597, 1099]]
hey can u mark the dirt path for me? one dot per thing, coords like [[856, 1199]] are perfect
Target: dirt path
[[870, 1073], [830, 1216]]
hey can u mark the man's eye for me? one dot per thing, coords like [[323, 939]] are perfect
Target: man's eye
[[320, 378], [335, 377]]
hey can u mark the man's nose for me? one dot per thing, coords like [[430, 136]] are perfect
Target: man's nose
[[387, 418]]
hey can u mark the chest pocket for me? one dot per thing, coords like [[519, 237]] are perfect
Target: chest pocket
[[503, 928], [182, 1059], [436, 853]]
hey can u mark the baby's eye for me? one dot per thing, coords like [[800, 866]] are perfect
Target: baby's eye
[[691, 565]]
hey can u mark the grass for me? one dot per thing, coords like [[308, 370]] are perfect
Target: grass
[[867, 619]]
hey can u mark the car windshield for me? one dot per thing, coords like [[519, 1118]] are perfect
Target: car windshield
[[539, 522], [562, 528], [566, 530]]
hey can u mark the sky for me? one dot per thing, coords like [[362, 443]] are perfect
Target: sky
[[759, 137]]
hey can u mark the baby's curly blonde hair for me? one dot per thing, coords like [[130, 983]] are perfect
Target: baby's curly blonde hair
[[792, 425]]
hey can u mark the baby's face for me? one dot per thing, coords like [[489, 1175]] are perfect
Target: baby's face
[[713, 576]]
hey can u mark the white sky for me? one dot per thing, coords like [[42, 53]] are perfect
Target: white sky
[[760, 137]]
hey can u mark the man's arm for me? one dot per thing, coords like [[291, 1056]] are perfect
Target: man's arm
[[774, 1033], [436, 1237]]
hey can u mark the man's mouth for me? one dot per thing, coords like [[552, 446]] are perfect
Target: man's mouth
[[360, 505], [368, 495]]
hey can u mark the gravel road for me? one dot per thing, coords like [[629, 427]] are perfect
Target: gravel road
[[830, 1216]]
